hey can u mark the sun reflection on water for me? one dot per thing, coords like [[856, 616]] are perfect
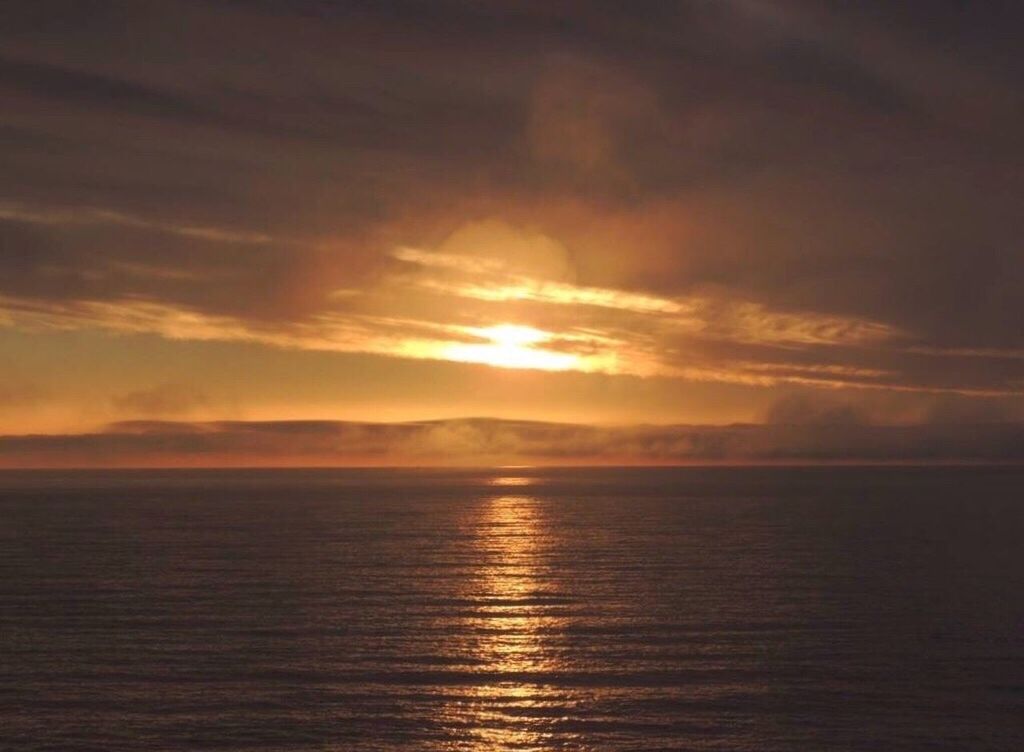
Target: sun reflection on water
[[511, 480], [516, 608]]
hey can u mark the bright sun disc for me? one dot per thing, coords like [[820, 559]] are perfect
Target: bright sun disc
[[510, 346], [512, 335]]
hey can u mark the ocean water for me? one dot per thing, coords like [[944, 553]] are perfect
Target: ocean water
[[513, 609]]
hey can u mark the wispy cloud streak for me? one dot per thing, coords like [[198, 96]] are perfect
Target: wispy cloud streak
[[17, 212]]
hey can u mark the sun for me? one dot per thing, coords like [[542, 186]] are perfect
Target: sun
[[511, 346], [512, 335]]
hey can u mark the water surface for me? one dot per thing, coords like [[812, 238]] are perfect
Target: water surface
[[703, 609]]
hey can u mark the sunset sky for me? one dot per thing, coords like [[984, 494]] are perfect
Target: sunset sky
[[249, 232]]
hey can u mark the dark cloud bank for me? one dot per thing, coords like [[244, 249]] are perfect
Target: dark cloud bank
[[487, 441]]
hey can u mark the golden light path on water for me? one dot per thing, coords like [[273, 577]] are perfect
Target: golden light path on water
[[512, 589]]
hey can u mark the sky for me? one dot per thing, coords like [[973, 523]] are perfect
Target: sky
[[347, 232]]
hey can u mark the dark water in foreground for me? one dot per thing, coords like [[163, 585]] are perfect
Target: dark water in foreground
[[754, 609]]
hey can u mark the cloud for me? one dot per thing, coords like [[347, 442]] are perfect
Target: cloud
[[486, 441], [766, 193], [800, 406], [13, 211], [815, 410], [162, 400], [93, 90]]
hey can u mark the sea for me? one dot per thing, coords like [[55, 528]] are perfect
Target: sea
[[605, 609]]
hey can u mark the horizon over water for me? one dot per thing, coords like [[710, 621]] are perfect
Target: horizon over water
[[516, 608]]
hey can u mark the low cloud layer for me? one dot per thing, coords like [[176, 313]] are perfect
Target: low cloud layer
[[484, 441]]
